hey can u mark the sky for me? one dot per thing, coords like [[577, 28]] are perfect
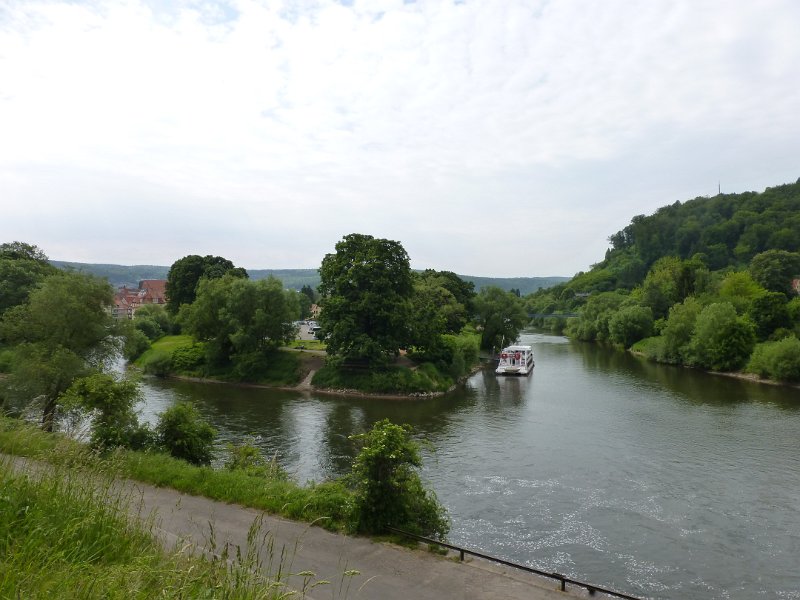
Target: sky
[[490, 137]]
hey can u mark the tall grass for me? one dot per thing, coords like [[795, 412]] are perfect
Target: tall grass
[[328, 504], [68, 535]]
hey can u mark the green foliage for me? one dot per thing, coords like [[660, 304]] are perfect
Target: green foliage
[[501, 316], [158, 363], [247, 457], [740, 289], [328, 504], [678, 330], [669, 281], [769, 312], [6, 360], [366, 288], [63, 331], [188, 360], [185, 274], [136, 343], [387, 380], [593, 320], [240, 320], [185, 434], [388, 490], [63, 536], [110, 403], [775, 269], [22, 268], [630, 324], [777, 360], [722, 341]]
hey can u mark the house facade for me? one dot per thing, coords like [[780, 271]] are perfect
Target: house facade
[[127, 300]]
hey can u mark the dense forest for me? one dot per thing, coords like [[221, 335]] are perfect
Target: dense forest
[[708, 283]]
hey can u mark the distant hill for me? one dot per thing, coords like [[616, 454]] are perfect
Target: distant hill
[[119, 275], [525, 285]]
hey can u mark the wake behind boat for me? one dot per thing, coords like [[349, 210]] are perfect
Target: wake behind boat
[[515, 360]]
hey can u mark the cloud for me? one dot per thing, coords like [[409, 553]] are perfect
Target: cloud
[[449, 126]]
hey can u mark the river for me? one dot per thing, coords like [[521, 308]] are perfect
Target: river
[[657, 481]]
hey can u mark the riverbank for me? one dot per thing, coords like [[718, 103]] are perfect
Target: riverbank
[[744, 376], [180, 357]]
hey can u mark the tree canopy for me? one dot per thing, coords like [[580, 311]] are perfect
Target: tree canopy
[[63, 331], [501, 316], [366, 288], [240, 320], [22, 267], [186, 273]]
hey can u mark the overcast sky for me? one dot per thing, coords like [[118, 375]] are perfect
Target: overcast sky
[[490, 137]]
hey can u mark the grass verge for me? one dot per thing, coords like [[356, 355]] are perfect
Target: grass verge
[[328, 504], [68, 536]]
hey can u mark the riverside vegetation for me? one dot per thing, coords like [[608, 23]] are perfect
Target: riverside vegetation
[[374, 309], [67, 536], [705, 283], [56, 341]]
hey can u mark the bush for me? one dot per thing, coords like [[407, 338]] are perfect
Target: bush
[[185, 434], [188, 359], [777, 360], [247, 457], [388, 490], [6, 359], [721, 341], [630, 324], [158, 364], [393, 380], [136, 344], [149, 327], [110, 403]]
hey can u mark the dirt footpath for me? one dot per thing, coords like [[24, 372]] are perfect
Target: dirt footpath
[[385, 571]]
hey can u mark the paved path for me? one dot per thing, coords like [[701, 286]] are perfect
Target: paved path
[[386, 572]]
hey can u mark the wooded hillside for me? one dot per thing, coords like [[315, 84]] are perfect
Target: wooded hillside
[[710, 282]]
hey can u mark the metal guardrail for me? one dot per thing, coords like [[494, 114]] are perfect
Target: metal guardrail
[[562, 578]]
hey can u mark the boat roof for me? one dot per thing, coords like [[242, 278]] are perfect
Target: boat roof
[[516, 348]]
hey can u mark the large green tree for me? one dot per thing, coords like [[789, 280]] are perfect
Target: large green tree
[[62, 332], [186, 273], [501, 316], [775, 269], [366, 288], [240, 320], [721, 340], [22, 267]]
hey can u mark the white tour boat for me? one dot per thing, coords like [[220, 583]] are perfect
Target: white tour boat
[[515, 360]]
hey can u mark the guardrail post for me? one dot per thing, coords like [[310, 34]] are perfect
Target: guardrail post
[[461, 554], [562, 580]]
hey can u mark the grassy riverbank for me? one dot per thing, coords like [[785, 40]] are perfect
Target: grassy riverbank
[[68, 536], [328, 504], [182, 355]]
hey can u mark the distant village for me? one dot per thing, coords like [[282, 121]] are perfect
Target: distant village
[[153, 291], [127, 300]]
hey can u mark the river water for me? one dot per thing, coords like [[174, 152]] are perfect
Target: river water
[[657, 481]]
